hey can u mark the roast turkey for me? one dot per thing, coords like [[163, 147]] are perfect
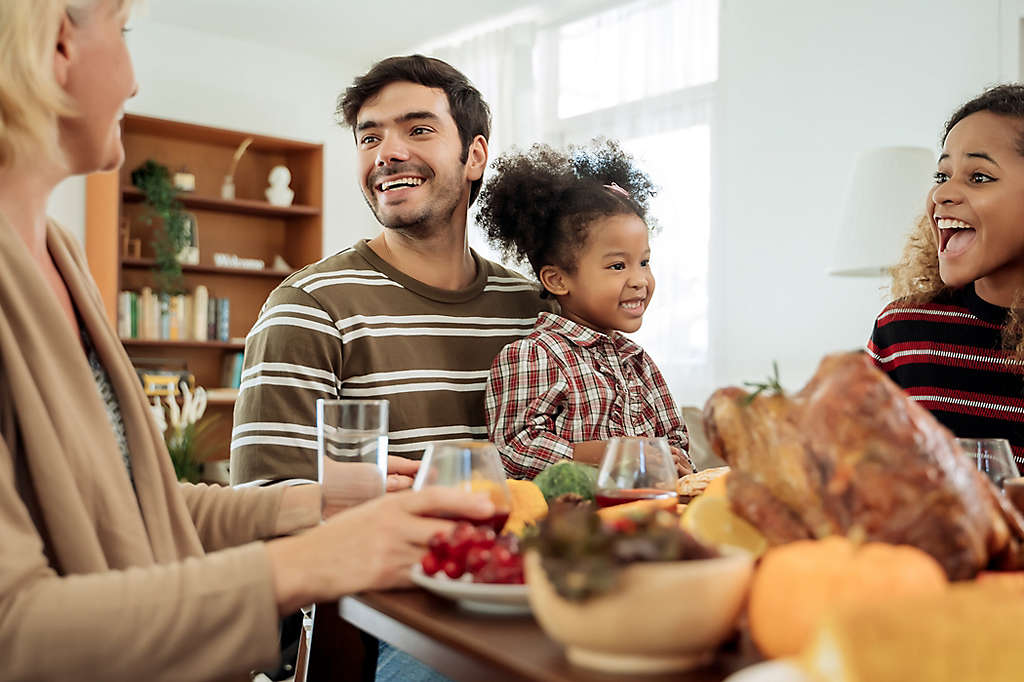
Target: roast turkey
[[851, 454]]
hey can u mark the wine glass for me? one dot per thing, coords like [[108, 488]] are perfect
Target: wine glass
[[472, 465], [992, 456], [635, 469]]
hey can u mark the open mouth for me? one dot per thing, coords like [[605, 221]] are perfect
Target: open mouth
[[634, 306], [392, 184], [954, 235]]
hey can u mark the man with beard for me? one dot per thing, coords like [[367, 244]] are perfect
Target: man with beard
[[413, 315]]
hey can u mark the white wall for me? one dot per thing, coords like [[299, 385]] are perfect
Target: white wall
[[805, 85], [212, 80]]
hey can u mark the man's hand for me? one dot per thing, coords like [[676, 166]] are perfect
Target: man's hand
[[681, 461], [401, 472]]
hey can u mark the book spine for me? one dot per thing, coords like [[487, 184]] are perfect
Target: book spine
[[200, 308], [223, 319], [211, 319], [134, 302], [165, 316], [147, 329]]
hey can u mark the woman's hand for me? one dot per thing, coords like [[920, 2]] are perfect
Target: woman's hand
[[401, 472], [370, 546], [681, 461]]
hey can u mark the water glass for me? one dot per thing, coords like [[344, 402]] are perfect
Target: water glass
[[352, 451], [472, 465], [992, 456], [635, 469]]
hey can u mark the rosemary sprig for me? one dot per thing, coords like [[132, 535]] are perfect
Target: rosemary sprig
[[771, 384]]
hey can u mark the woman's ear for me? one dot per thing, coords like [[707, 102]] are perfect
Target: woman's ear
[[554, 279], [63, 50], [476, 159]]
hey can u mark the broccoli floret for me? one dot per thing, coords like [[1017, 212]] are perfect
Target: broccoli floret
[[567, 477]]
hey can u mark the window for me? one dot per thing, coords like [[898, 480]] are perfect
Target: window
[[644, 73]]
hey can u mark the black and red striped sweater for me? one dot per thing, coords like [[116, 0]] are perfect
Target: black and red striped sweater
[[946, 354]]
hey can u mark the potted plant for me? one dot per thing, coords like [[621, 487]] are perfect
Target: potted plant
[[154, 180]]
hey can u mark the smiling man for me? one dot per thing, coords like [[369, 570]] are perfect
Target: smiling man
[[413, 315]]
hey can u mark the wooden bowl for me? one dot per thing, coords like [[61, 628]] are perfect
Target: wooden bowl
[[660, 617]]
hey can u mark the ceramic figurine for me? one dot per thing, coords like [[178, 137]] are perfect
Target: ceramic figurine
[[279, 194]]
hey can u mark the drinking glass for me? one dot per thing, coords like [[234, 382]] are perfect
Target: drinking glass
[[352, 451], [635, 469], [472, 465], [992, 456]]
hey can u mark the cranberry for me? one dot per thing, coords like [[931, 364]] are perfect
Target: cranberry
[[484, 536], [453, 569], [477, 558], [502, 555], [431, 563], [438, 545]]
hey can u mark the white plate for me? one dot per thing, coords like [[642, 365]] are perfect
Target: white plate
[[769, 671], [479, 597]]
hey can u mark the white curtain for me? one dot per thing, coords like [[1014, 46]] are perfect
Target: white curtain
[[500, 65]]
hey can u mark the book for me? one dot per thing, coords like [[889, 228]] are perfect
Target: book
[[223, 319], [201, 304]]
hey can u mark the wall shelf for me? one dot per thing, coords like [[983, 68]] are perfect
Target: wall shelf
[[149, 263], [132, 195], [182, 343]]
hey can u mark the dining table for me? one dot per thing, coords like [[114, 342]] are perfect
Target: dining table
[[468, 646]]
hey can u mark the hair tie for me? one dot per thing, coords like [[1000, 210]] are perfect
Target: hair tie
[[614, 187]]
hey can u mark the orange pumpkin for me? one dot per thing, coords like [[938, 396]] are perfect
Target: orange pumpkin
[[797, 584]]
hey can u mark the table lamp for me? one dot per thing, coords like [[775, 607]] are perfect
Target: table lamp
[[886, 195]]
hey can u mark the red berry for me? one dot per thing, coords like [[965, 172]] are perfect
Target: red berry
[[477, 558], [453, 569], [484, 536], [431, 563], [502, 555], [438, 545]]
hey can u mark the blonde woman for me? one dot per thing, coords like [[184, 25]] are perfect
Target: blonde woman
[[954, 338], [108, 565]]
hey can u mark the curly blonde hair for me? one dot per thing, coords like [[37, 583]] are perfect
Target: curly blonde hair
[[915, 279], [31, 99]]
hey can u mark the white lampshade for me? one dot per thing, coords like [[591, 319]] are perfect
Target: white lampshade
[[887, 194]]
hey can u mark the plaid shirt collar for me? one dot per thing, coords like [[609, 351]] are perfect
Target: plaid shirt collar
[[585, 337]]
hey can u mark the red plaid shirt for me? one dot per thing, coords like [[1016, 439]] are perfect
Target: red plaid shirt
[[564, 384]]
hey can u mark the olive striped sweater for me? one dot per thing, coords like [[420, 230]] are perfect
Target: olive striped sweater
[[352, 326], [947, 355]]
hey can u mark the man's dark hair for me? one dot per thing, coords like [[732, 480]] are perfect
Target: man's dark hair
[[470, 111], [1005, 100]]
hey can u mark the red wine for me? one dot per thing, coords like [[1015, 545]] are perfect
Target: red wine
[[610, 498], [496, 521]]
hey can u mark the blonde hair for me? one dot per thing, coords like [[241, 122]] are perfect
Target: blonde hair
[[916, 280], [31, 100]]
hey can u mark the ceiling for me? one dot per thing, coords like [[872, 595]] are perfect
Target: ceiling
[[349, 31]]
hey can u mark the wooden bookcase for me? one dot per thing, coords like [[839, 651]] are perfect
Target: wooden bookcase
[[246, 226]]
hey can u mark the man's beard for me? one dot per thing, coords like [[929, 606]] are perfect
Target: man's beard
[[433, 217]]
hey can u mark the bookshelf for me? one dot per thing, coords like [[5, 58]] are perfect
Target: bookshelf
[[246, 226]]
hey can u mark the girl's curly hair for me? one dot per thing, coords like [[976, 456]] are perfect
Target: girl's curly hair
[[539, 204], [916, 279]]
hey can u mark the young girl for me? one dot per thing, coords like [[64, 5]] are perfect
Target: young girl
[[954, 338], [575, 381]]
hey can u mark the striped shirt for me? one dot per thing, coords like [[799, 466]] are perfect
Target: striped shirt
[[565, 384], [352, 326], [947, 355]]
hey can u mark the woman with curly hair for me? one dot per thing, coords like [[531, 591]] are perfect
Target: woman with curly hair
[[954, 338], [580, 220]]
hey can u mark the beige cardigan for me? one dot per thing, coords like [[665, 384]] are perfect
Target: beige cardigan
[[98, 580]]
